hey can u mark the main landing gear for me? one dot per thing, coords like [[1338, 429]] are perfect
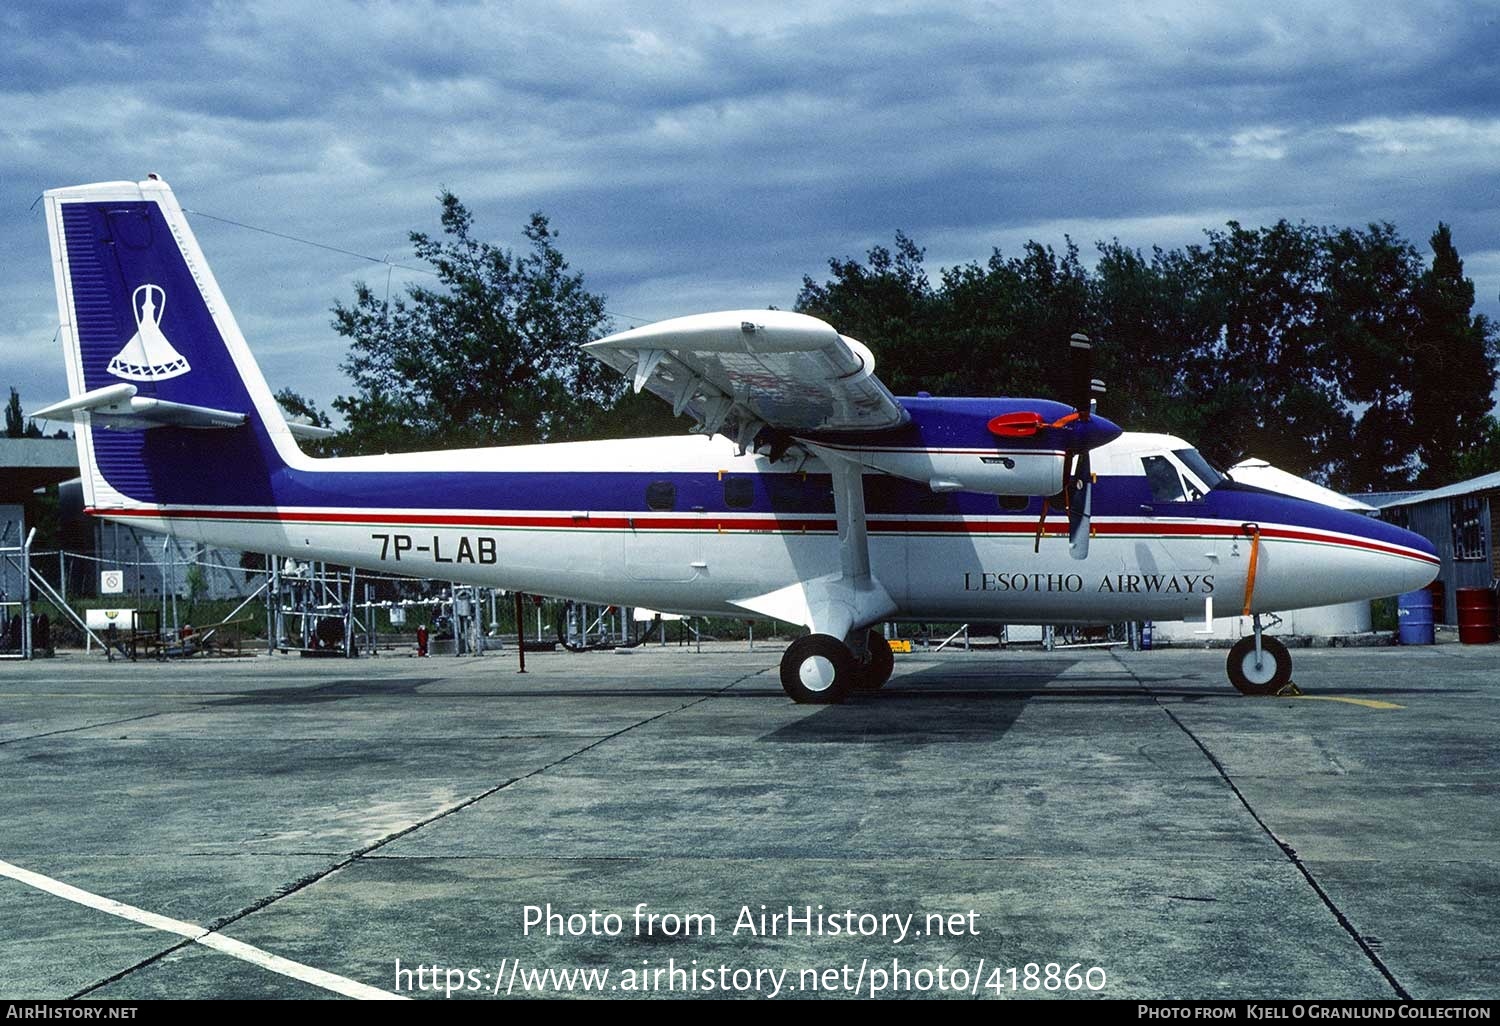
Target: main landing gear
[[822, 670], [1259, 665]]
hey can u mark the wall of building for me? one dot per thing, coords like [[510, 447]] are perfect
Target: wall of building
[[153, 563], [1433, 520]]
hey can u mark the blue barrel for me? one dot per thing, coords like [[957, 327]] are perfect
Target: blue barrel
[[1414, 618], [1147, 629]]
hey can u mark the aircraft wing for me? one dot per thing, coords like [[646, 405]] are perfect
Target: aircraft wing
[[738, 372]]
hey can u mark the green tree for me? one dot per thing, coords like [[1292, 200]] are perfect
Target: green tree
[[303, 409], [885, 304], [1329, 351], [15, 423], [1454, 367], [1264, 382], [974, 333], [296, 407], [18, 425], [1368, 316], [1149, 317], [490, 357], [1483, 455]]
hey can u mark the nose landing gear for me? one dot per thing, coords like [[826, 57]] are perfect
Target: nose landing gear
[[1259, 665]]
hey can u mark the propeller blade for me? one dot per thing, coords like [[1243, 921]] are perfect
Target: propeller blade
[[1081, 351], [1080, 506]]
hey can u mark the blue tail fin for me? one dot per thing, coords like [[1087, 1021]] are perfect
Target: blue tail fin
[[140, 310]]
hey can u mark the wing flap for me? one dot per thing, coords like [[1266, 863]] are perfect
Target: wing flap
[[737, 371]]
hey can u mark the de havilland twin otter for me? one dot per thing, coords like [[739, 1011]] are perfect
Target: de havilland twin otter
[[806, 492]]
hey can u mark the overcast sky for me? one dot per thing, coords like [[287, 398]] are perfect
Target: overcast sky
[[697, 157]]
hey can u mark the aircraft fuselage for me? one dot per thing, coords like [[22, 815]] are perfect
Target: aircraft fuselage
[[701, 527]]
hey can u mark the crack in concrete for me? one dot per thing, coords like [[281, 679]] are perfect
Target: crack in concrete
[[308, 880], [1286, 849], [87, 726]]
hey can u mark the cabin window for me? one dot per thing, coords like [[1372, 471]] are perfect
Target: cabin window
[[739, 492], [1468, 528], [1166, 483], [1014, 503], [661, 495]]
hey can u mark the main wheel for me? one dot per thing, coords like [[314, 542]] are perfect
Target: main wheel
[[879, 661], [1270, 677], [818, 670]]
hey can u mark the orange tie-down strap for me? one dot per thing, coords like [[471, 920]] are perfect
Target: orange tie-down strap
[[1041, 526], [1253, 530]]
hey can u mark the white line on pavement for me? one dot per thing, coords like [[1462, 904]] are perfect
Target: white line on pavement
[[208, 938]]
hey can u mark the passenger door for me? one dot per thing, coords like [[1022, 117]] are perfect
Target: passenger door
[[665, 542]]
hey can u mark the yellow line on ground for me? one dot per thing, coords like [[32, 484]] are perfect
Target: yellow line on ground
[[1368, 703]]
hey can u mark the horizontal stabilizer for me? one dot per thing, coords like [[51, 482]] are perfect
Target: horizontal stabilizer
[[308, 432], [120, 406]]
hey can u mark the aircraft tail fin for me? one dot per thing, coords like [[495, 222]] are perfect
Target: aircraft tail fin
[[167, 403]]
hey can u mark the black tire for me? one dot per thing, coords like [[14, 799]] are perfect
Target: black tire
[[818, 670], [876, 669], [1275, 672]]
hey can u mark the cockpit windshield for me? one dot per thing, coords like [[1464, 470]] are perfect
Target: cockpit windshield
[[1200, 467], [1185, 476]]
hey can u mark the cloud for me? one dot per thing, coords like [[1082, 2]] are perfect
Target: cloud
[[698, 156], [1451, 141]]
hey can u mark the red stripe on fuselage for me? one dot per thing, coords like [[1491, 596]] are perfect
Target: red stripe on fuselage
[[719, 524]]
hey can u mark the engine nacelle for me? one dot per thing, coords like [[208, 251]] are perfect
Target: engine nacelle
[[996, 472]]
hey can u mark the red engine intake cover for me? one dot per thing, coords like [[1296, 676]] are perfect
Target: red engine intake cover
[[1016, 425]]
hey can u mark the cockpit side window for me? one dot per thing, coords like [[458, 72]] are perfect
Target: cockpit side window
[[1194, 461], [1166, 483]]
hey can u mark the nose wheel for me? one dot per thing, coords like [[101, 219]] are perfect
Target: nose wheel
[[1263, 672]]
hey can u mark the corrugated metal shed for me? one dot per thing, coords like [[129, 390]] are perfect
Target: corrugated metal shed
[[1460, 521], [1483, 483], [1380, 500], [29, 463]]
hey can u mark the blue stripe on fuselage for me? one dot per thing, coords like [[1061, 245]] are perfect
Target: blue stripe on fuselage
[[768, 493]]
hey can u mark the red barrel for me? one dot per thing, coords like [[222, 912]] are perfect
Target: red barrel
[[1439, 601], [1476, 616]]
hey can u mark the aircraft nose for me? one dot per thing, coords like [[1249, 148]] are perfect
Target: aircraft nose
[[1339, 557], [1411, 561]]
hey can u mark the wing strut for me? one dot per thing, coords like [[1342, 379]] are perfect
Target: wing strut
[[838, 604]]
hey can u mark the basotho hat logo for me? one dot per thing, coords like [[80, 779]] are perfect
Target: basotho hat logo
[[148, 356]]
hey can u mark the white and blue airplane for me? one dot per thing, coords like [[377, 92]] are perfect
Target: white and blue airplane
[[806, 491]]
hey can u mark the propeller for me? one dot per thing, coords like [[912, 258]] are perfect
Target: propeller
[[1078, 489], [1081, 481], [1080, 506]]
